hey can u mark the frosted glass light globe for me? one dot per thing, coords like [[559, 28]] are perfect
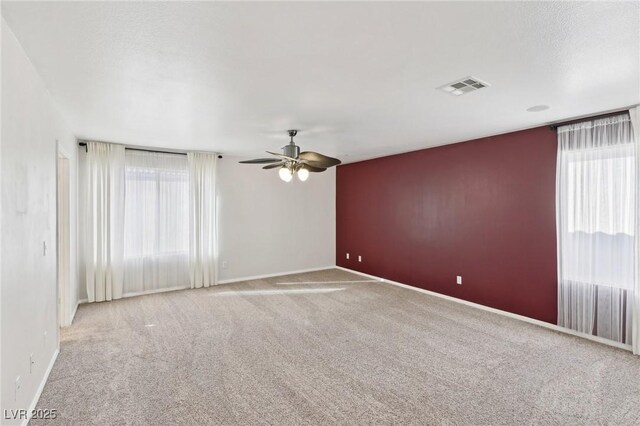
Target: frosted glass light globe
[[285, 174], [303, 174]]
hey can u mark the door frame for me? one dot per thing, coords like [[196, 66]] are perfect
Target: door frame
[[63, 236]]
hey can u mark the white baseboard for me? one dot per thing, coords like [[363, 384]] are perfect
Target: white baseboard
[[34, 402], [229, 281], [278, 274], [160, 290], [499, 312], [143, 293], [373, 277]]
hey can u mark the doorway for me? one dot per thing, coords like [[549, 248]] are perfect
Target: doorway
[[63, 243]]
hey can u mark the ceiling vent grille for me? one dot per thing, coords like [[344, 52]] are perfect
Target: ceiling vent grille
[[464, 85]]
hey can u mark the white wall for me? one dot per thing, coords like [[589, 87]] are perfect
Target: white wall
[[267, 226], [30, 127]]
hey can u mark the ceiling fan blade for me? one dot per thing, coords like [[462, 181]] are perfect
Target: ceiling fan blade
[[260, 161], [280, 155], [274, 165], [314, 169], [315, 164], [318, 160]]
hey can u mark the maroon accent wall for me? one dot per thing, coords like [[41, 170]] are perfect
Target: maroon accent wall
[[483, 209]]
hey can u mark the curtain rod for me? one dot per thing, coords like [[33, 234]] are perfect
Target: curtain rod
[[555, 126], [141, 149], [84, 143]]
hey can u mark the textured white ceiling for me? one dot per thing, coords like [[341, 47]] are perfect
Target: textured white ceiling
[[358, 79]]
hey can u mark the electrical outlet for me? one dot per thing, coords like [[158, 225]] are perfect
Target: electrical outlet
[[347, 256], [44, 248], [459, 279], [32, 363], [18, 387], [359, 258], [224, 264]]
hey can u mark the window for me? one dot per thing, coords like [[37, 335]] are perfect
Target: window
[[598, 194], [149, 221], [156, 220], [596, 185], [607, 205]]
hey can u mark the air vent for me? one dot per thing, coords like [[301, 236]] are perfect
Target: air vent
[[464, 85]]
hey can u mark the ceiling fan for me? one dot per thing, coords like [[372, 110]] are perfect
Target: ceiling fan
[[292, 161]]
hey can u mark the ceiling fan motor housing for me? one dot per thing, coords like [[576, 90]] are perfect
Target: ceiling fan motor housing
[[291, 150]]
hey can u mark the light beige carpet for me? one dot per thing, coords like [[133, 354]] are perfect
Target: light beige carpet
[[340, 351]]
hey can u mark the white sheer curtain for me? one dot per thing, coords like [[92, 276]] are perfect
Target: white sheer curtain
[[150, 221], [156, 223], [596, 215], [104, 204], [635, 337], [202, 219]]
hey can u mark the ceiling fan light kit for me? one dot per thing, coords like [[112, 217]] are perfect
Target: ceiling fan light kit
[[293, 162]]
